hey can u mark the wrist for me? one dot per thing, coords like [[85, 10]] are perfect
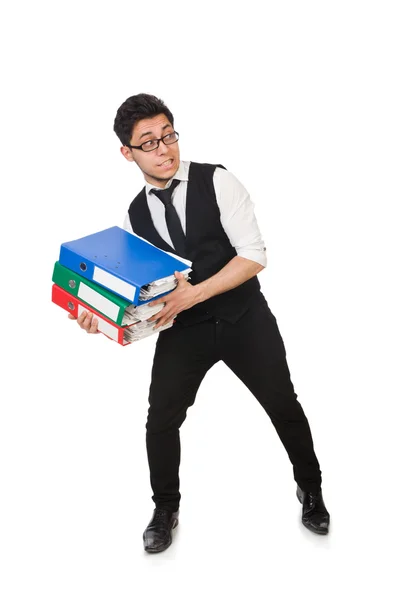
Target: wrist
[[200, 292]]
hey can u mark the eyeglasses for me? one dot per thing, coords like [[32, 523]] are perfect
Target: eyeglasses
[[150, 145]]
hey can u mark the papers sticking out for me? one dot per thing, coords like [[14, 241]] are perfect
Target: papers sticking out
[[142, 330], [134, 314], [161, 286]]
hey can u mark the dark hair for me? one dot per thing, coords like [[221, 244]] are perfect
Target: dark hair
[[135, 108]]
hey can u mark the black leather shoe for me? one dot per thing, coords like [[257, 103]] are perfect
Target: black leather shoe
[[157, 535], [314, 514]]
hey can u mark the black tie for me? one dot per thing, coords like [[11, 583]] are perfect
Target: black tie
[[173, 223]]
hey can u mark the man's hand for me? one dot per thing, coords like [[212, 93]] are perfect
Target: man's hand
[[183, 297], [86, 322]]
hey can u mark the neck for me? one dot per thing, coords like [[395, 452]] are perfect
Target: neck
[[161, 183]]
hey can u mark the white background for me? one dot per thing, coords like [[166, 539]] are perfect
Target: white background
[[298, 100]]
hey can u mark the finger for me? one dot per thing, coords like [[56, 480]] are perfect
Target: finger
[[180, 278], [81, 317], [94, 326], [155, 302], [164, 323], [72, 317], [86, 323], [157, 316], [159, 308], [166, 319], [160, 322]]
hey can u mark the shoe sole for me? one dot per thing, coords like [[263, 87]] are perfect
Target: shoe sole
[[319, 532], [157, 550], [315, 530]]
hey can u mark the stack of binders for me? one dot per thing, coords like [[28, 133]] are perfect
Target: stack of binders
[[115, 274]]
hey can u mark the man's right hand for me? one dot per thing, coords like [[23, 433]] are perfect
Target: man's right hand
[[86, 321]]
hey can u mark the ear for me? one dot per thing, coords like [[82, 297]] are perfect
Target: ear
[[126, 152]]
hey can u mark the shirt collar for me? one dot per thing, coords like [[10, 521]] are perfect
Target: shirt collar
[[182, 174]]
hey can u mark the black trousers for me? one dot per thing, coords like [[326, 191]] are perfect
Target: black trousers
[[254, 350]]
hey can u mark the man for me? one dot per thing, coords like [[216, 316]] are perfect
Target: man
[[203, 213]]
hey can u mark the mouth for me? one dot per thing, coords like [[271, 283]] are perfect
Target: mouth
[[167, 163]]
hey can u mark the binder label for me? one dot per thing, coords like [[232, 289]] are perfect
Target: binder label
[[114, 283], [103, 326], [104, 305]]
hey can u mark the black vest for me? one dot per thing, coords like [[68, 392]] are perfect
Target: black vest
[[207, 246]]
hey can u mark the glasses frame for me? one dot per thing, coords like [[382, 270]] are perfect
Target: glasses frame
[[158, 140]]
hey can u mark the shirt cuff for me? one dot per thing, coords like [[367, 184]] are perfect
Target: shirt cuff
[[258, 256]]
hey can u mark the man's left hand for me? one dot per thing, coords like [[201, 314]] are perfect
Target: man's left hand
[[183, 297]]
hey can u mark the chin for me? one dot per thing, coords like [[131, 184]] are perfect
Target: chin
[[175, 169]]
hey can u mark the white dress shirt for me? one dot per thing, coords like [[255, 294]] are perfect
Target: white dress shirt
[[235, 207]]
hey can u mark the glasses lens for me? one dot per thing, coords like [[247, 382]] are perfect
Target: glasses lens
[[171, 138], [150, 145]]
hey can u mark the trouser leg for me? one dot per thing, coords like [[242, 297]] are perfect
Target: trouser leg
[[182, 358], [254, 350]]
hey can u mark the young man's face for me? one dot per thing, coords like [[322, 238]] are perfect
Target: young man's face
[[157, 166]]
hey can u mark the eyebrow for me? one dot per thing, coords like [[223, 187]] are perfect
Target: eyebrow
[[151, 132]]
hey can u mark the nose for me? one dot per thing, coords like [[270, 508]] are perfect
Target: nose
[[162, 148]]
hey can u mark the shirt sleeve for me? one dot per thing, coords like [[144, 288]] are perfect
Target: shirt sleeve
[[238, 217], [127, 224]]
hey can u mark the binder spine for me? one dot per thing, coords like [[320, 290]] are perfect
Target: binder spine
[[104, 301], [76, 263], [88, 269]]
